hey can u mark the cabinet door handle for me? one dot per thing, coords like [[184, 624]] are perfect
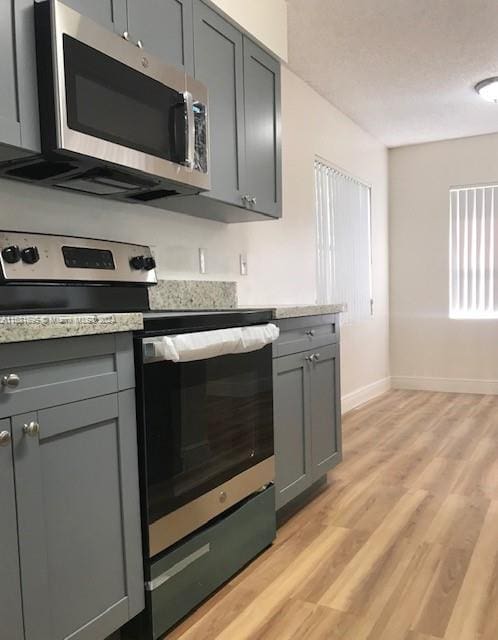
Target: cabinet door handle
[[32, 429], [12, 380], [252, 200], [310, 333], [140, 44], [5, 438], [316, 356], [126, 36], [310, 358]]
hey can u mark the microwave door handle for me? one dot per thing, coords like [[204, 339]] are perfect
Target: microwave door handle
[[190, 130]]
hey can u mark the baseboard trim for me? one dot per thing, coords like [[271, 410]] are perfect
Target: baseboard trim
[[449, 385], [364, 394]]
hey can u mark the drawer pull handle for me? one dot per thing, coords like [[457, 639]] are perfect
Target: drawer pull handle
[[5, 438], [317, 356], [310, 333], [12, 381], [32, 429]]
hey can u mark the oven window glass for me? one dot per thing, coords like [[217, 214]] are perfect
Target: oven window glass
[[111, 101], [205, 422]]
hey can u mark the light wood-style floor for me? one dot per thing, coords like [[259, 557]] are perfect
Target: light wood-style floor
[[402, 545]]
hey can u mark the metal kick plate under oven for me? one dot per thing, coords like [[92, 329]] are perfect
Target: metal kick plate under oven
[[208, 426], [106, 104]]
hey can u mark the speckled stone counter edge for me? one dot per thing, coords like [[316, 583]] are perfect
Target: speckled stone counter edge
[[173, 295], [298, 311], [43, 327]]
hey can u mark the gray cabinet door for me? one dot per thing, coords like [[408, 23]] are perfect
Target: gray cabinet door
[[262, 121], [111, 14], [292, 416], [218, 63], [165, 29], [10, 589], [78, 518], [10, 126], [326, 444]]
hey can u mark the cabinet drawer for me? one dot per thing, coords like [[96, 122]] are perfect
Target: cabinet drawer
[[55, 372], [302, 334]]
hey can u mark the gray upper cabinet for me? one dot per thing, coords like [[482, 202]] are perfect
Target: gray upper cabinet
[[219, 65], [19, 124], [244, 95], [111, 14], [307, 404], [76, 541], [10, 586], [262, 121], [244, 122], [10, 127], [164, 27], [325, 410]]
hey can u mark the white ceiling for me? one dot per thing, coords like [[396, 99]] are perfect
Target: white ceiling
[[402, 69]]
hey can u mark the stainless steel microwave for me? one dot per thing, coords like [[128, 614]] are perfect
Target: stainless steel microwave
[[114, 120]]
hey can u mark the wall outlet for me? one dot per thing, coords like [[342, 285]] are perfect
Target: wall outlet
[[202, 260], [243, 264]]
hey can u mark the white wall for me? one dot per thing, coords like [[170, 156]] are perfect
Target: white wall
[[281, 254], [265, 20], [428, 350]]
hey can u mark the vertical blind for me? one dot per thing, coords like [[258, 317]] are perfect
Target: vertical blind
[[343, 242], [473, 235]]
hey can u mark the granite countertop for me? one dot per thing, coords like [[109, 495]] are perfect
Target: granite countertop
[[303, 310], [23, 328]]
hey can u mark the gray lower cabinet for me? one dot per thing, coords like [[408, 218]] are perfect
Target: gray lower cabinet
[[292, 416], [307, 412], [10, 584], [76, 490], [325, 393], [165, 29]]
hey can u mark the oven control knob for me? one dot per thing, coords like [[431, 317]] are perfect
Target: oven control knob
[[11, 254], [30, 255], [137, 262], [149, 263]]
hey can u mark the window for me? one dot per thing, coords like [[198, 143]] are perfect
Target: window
[[343, 242], [473, 236]]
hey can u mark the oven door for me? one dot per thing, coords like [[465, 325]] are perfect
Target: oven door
[[209, 439], [113, 102]]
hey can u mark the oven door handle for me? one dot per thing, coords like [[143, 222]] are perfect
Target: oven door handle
[[202, 345]]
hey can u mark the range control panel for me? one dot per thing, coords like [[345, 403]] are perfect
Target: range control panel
[[48, 258]]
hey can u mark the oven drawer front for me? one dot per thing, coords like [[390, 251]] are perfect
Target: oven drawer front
[[188, 574], [48, 373], [302, 334]]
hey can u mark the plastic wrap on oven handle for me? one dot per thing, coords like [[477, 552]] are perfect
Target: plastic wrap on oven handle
[[187, 347]]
